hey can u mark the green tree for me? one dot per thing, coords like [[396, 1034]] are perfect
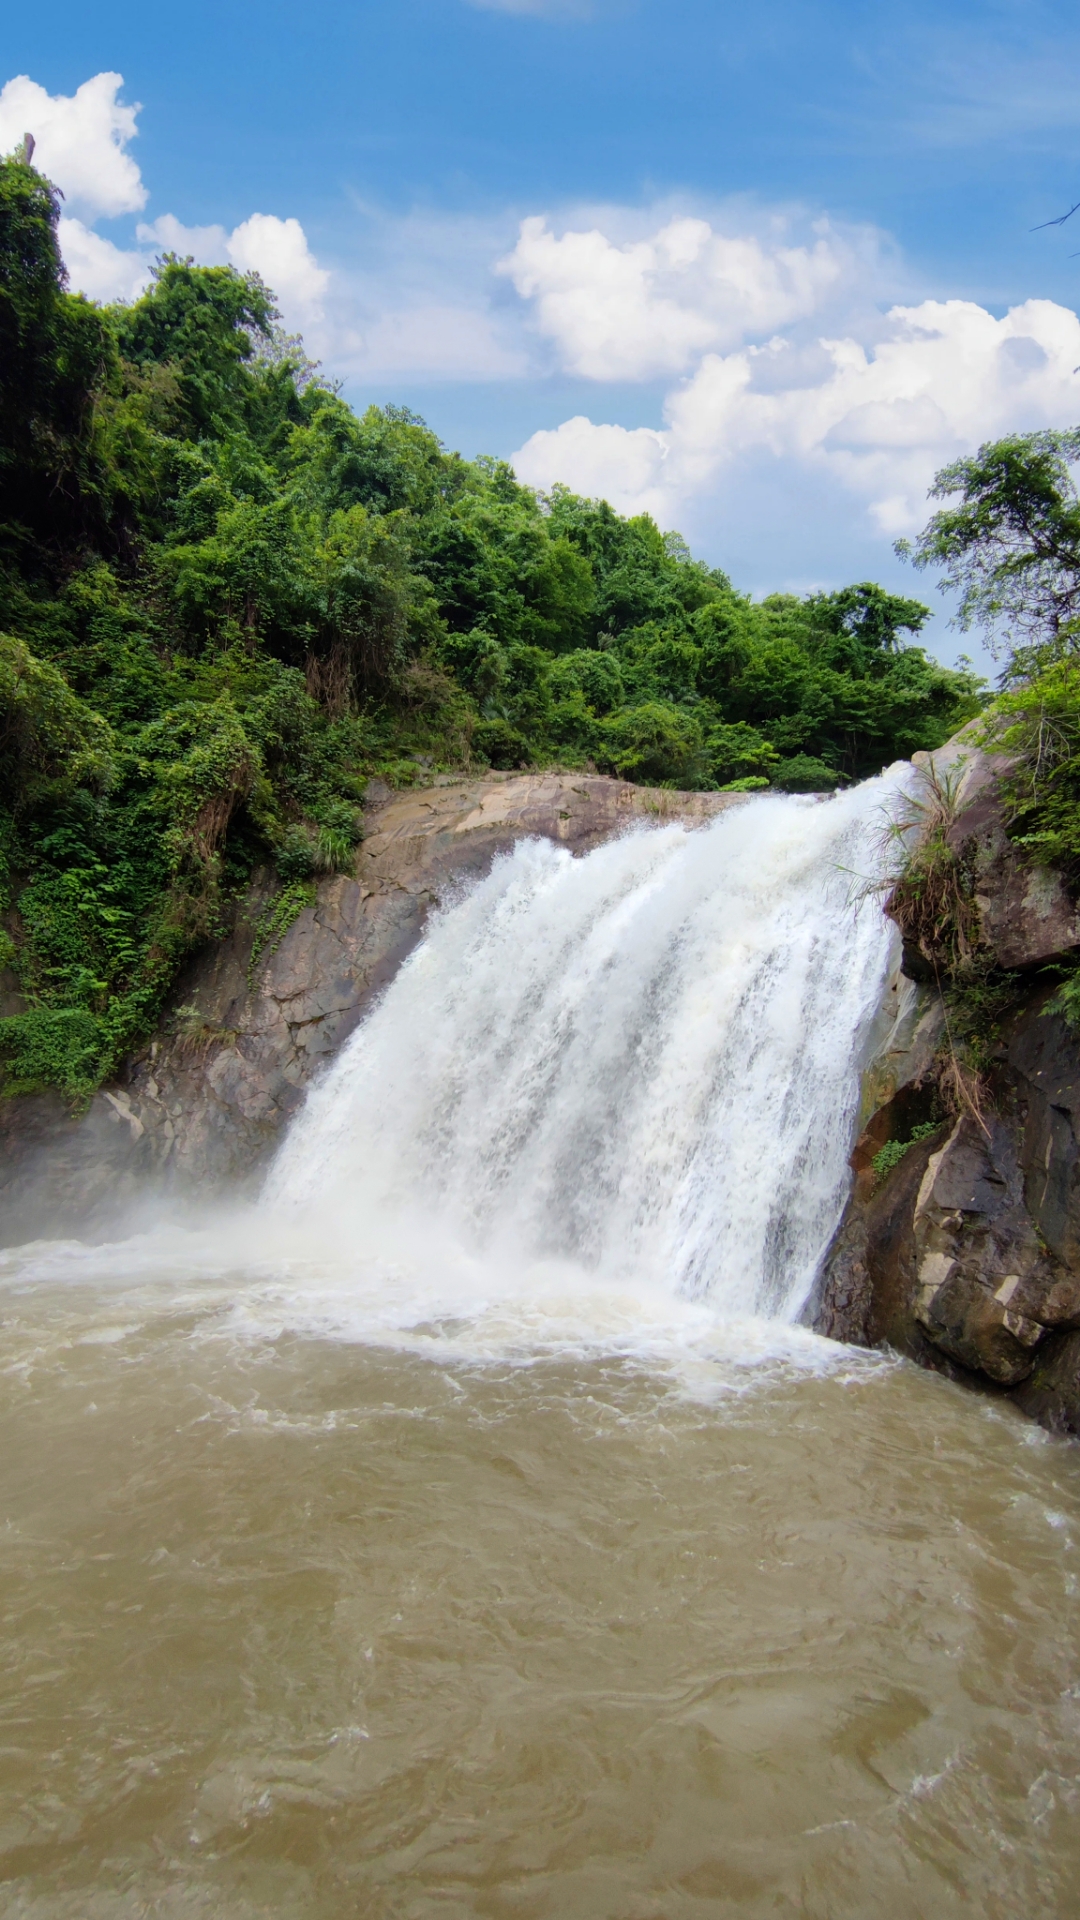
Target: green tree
[[55, 349], [204, 324], [1011, 547]]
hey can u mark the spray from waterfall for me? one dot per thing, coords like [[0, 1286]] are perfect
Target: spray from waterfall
[[640, 1066]]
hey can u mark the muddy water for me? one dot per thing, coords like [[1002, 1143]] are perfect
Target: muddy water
[[301, 1626]]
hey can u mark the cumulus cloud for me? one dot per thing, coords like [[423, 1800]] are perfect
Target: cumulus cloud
[[278, 250], [98, 268], [878, 419], [655, 305], [626, 466], [81, 141]]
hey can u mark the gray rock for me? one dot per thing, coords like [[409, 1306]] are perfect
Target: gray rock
[[1043, 1063], [1051, 1392], [986, 1291]]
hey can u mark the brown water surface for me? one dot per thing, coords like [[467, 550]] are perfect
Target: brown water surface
[[309, 1629]]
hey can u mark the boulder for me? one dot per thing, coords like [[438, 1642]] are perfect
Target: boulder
[[868, 1283]]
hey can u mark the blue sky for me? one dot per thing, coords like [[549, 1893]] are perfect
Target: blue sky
[[777, 262]]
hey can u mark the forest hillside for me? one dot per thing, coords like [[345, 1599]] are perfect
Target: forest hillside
[[227, 599]]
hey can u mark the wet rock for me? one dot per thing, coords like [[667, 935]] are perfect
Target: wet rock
[[1042, 1065], [986, 1291], [1051, 1393], [903, 1049], [942, 1262], [870, 1282], [866, 1286]]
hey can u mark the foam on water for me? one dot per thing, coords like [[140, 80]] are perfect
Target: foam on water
[[606, 1104]]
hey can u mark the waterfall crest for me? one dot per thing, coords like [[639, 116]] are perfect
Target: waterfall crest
[[642, 1063]]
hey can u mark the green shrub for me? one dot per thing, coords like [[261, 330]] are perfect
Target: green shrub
[[1039, 723], [68, 1048], [891, 1154], [803, 774], [657, 744], [52, 742], [501, 745], [1066, 1000]]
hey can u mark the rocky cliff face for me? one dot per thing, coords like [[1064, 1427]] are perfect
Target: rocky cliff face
[[966, 1255], [201, 1109]]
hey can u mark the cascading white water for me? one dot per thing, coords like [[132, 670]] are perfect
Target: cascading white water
[[642, 1063]]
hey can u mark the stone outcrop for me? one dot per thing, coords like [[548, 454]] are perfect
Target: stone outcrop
[[986, 1291], [1027, 915], [203, 1106], [965, 1255]]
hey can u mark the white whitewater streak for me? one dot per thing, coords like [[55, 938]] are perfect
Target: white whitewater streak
[[641, 1064]]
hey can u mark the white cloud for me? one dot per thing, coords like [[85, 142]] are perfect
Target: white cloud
[[81, 141], [625, 466], [278, 250], [654, 305], [208, 245], [943, 376], [98, 268]]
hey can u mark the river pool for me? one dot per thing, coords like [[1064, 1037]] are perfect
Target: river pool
[[303, 1625]]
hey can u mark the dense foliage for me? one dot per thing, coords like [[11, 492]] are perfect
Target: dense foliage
[[226, 600]]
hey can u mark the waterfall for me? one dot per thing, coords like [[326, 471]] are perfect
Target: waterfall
[[641, 1065]]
